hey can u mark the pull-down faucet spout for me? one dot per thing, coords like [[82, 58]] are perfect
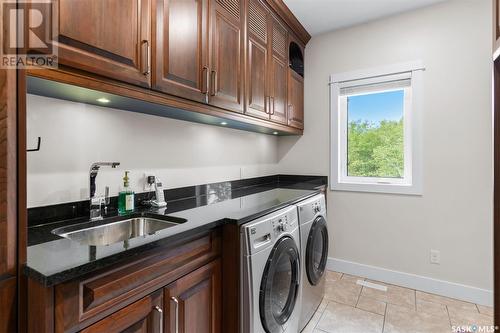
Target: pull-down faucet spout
[[96, 202]]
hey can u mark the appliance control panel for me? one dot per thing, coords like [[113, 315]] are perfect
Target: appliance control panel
[[282, 224], [310, 208], [316, 206], [262, 232]]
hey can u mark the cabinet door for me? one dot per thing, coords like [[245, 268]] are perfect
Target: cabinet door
[[181, 48], [145, 315], [193, 303], [278, 73], [105, 37], [227, 62], [295, 99], [8, 305], [257, 60]]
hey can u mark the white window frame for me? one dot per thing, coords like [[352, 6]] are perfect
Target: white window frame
[[412, 182]]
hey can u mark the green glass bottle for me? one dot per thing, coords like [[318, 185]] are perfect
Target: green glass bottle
[[126, 197]]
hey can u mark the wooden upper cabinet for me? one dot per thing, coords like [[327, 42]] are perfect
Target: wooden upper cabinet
[[227, 61], [267, 69], [106, 37], [143, 316], [180, 48], [257, 59], [231, 54], [295, 97], [193, 303], [278, 72]]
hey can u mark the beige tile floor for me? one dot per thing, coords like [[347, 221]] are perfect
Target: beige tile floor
[[351, 308]]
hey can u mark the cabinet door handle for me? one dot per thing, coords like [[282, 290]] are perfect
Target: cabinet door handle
[[176, 302], [290, 113], [213, 84], [205, 80], [266, 104], [148, 57], [271, 107], [160, 311]]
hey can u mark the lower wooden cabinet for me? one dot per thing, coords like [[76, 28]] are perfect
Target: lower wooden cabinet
[[193, 303], [172, 288], [145, 315], [190, 304]]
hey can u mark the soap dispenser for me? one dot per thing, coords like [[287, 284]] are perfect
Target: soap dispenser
[[126, 197]]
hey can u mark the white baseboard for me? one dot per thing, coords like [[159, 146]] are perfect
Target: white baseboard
[[418, 282]]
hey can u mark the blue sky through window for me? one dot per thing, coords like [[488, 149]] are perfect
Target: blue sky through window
[[376, 107]]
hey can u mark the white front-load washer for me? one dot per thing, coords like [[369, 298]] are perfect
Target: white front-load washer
[[271, 273], [314, 254]]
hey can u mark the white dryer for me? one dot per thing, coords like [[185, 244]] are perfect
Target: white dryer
[[314, 254], [271, 273]]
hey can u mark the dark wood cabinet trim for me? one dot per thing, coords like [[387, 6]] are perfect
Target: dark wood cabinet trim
[[286, 15], [8, 201], [8, 175], [40, 307], [231, 278], [22, 212], [8, 305]]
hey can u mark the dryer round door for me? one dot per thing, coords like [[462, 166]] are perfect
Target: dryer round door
[[316, 250], [280, 285]]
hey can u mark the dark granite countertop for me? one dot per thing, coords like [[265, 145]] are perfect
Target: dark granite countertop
[[53, 260]]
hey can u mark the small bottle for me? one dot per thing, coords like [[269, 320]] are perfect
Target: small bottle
[[126, 197]]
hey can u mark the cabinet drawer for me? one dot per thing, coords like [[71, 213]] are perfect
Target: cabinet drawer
[[84, 301], [145, 315]]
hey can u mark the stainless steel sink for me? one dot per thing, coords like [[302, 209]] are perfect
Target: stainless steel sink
[[115, 231]]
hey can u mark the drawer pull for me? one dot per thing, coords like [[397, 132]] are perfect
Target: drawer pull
[[176, 301], [160, 311]]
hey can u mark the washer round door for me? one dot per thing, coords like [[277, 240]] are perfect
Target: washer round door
[[316, 250], [280, 285]]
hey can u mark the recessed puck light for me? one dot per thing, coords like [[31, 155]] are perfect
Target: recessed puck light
[[103, 100], [223, 123]]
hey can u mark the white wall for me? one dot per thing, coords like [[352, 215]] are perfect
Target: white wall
[[454, 215], [181, 153]]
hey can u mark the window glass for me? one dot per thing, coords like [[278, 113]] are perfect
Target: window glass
[[375, 134]]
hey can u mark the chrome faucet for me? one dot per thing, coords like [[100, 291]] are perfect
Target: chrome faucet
[[97, 202]]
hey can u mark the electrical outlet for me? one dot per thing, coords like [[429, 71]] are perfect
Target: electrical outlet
[[435, 257], [148, 187]]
